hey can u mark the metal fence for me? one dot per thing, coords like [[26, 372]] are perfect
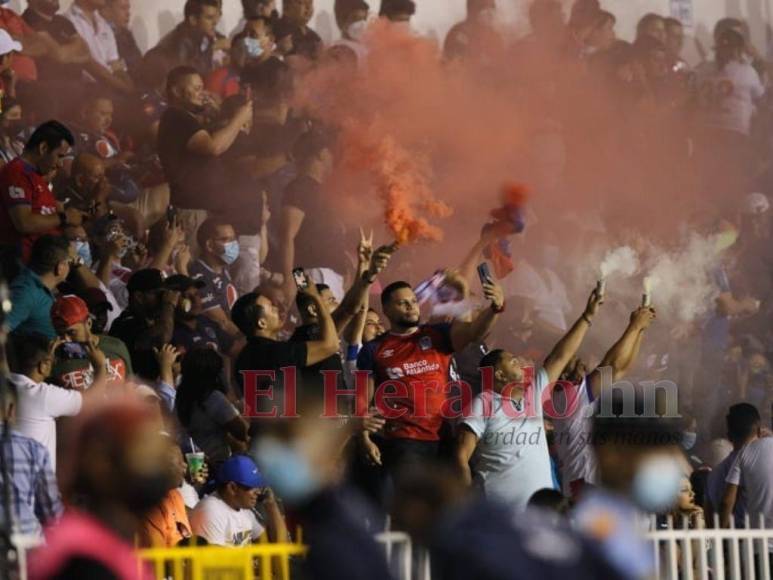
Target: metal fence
[[716, 554]]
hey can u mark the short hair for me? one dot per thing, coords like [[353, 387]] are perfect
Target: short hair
[[343, 8], [208, 228], [271, 79], [47, 252], [491, 359], [246, 312], [673, 22], [26, 351], [82, 161], [386, 294], [549, 499], [742, 421], [52, 133], [303, 300], [177, 74], [390, 7], [194, 7], [645, 21], [727, 24]]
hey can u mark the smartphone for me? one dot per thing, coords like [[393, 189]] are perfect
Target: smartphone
[[301, 281], [484, 273], [171, 214], [72, 350]]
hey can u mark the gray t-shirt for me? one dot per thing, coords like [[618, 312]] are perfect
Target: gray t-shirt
[[752, 471], [207, 426], [511, 460]]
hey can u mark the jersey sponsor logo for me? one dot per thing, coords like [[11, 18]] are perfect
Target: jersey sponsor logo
[[412, 369], [81, 379], [425, 343], [16, 192]]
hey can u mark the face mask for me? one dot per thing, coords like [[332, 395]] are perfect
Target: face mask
[[356, 29], [84, 251], [253, 47], [688, 440], [286, 470], [230, 252], [656, 484]]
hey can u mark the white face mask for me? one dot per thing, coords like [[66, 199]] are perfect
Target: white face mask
[[356, 29]]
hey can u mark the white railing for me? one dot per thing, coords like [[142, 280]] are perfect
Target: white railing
[[405, 561], [716, 554]]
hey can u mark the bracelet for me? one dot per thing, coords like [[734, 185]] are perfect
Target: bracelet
[[586, 319], [499, 310]]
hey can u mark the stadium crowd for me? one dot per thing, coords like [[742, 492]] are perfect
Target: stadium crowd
[[151, 237]]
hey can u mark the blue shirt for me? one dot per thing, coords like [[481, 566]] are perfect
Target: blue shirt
[[31, 305], [35, 496]]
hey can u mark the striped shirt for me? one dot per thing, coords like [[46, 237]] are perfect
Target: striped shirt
[[34, 495]]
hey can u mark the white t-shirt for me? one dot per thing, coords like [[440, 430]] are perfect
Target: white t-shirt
[[511, 461], [753, 473], [221, 525], [189, 494], [39, 404], [728, 96], [572, 434]]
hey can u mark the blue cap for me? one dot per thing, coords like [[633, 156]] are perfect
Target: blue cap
[[242, 470]]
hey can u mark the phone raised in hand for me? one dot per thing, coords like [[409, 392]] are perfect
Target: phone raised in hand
[[484, 273], [300, 278], [171, 214]]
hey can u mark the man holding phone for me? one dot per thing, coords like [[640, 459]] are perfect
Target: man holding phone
[[417, 355]]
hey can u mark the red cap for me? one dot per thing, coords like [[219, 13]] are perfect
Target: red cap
[[68, 310]]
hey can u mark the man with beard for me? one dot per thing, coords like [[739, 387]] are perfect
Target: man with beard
[[120, 471], [191, 327], [148, 322], [416, 357]]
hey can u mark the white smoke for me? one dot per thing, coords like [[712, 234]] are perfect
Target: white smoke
[[681, 282], [623, 261]]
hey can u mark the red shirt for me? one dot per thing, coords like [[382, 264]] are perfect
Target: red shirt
[[21, 184], [13, 24], [223, 82], [419, 361]]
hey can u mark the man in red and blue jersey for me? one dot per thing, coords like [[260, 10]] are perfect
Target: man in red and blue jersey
[[410, 371], [28, 209]]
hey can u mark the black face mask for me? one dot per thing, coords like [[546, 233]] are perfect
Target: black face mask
[[147, 491]]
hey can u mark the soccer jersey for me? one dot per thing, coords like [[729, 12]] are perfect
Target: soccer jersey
[[218, 289], [21, 184], [416, 364]]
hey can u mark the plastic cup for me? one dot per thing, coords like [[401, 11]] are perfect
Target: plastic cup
[[195, 462]]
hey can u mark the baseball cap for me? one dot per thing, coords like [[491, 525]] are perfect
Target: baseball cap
[[8, 44], [181, 283], [68, 310], [241, 470], [145, 280]]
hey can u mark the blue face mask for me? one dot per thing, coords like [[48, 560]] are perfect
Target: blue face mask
[[656, 484], [253, 47], [230, 252], [83, 250], [286, 470]]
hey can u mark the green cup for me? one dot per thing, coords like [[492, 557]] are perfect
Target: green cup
[[195, 462]]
